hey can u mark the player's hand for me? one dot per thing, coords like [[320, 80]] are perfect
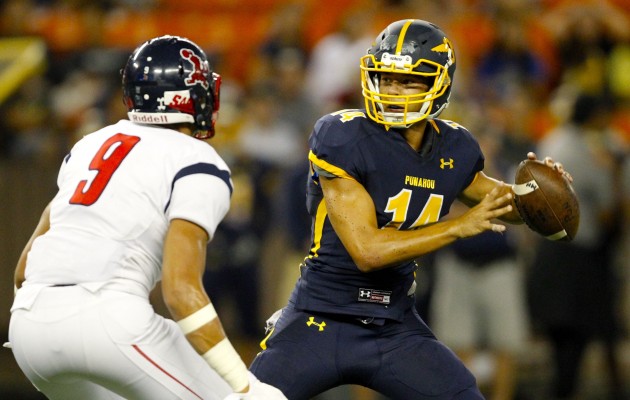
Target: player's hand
[[551, 164], [480, 217], [258, 391]]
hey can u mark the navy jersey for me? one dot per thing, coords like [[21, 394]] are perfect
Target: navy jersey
[[409, 189]]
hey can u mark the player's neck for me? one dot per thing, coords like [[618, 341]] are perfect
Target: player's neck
[[414, 134]]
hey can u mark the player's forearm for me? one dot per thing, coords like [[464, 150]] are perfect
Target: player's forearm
[[204, 331], [189, 305], [42, 227], [186, 299], [386, 247], [199, 321], [183, 297], [389, 247], [18, 275], [191, 308], [476, 192]]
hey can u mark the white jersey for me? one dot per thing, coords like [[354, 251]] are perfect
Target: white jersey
[[118, 189]]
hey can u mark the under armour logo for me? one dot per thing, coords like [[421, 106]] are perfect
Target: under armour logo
[[311, 321], [365, 294], [448, 163]]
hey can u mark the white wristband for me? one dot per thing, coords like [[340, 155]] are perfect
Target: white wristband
[[224, 359], [197, 319]]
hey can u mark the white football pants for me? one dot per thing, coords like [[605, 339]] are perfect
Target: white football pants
[[74, 344]]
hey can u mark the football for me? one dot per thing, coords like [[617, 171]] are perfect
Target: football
[[546, 201]]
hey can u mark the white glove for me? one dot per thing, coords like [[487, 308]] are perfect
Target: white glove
[[271, 321], [258, 391]]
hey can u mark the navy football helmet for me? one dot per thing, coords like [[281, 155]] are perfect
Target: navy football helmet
[[412, 47], [168, 80]]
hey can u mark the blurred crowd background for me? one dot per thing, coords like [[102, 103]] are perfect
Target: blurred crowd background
[[527, 71]]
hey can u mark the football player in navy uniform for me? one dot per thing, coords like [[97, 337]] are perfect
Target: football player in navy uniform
[[381, 179]]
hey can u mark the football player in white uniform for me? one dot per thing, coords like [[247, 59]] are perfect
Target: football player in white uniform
[[137, 203]]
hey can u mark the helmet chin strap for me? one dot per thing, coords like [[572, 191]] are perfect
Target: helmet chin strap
[[395, 119]]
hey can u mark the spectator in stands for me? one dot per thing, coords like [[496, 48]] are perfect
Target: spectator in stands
[[332, 69], [572, 286], [478, 308]]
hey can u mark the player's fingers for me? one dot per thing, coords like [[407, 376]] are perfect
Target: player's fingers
[[494, 193], [560, 168], [502, 200], [494, 201], [490, 197], [498, 228], [568, 176], [531, 155], [497, 212]]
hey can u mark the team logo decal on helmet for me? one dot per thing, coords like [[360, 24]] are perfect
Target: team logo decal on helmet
[[177, 100], [446, 47], [200, 69]]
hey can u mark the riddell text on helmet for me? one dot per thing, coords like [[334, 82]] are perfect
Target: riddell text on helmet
[[149, 118]]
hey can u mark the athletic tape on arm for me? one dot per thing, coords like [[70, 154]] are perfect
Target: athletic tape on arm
[[197, 319], [224, 359]]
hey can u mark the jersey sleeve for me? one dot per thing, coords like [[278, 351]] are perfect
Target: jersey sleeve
[[62, 168], [334, 149], [201, 194], [476, 155], [479, 166]]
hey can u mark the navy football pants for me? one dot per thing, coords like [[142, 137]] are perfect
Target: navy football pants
[[309, 353]]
